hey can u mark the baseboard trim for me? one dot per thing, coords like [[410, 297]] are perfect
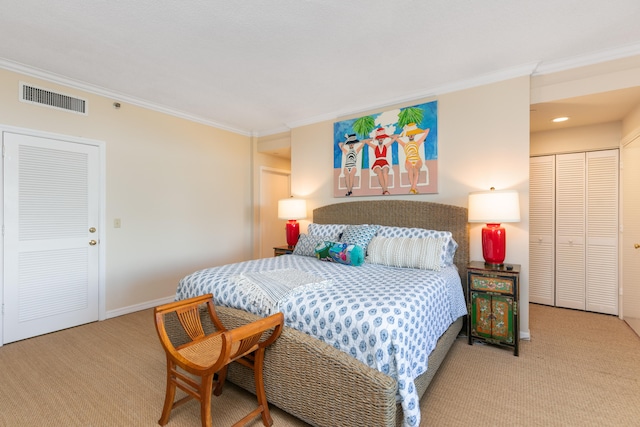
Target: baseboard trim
[[138, 307]]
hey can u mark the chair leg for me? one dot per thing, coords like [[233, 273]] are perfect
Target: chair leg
[[222, 376], [260, 393], [169, 396], [205, 400]]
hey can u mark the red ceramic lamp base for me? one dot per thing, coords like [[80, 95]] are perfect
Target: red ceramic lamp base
[[494, 243], [293, 232]]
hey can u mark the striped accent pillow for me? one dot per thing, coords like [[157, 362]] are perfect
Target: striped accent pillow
[[450, 244], [416, 252]]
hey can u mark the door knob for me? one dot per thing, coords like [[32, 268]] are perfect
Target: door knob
[[636, 246], [93, 242], [92, 230]]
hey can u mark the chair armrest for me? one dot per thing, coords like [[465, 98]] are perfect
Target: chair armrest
[[248, 336]]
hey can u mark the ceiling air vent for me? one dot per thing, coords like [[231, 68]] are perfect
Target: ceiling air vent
[[49, 98]]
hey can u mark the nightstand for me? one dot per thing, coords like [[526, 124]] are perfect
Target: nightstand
[[282, 250], [492, 301]]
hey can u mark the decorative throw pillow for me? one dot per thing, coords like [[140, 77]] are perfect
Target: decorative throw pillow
[[333, 231], [343, 253], [450, 245], [412, 252], [306, 245], [322, 250], [359, 235]]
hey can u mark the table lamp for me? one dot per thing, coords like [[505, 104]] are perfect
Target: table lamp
[[493, 208], [292, 209]]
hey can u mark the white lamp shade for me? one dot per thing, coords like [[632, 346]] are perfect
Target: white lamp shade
[[292, 208], [494, 207]]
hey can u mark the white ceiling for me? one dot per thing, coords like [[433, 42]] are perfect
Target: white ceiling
[[260, 67]]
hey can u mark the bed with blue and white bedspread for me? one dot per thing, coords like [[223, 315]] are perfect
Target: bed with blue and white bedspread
[[389, 318]]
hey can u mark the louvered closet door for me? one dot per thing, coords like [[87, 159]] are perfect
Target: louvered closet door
[[542, 230], [51, 192], [570, 230], [602, 232]]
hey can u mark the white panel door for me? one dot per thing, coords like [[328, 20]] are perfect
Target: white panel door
[[631, 235], [51, 256], [602, 232], [542, 230], [570, 230]]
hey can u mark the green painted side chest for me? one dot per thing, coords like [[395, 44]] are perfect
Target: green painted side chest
[[492, 298]]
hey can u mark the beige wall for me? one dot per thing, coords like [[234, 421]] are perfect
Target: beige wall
[[181, 189], [596, 78], [278, 143], [631, 124], [483, 141], [581, 138]]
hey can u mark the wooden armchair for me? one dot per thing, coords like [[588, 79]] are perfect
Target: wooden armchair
[[207, 354]]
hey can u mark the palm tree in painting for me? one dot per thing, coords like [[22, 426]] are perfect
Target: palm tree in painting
[[410, 115], [363, 126]]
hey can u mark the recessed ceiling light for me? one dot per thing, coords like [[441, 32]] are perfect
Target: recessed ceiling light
[[560, 119]]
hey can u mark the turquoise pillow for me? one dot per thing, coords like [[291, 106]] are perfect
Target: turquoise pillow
[[344, 253]]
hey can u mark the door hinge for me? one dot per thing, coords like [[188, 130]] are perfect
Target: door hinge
[[515, 308]]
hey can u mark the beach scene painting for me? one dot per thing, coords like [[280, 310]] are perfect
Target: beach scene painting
[[388, 153]]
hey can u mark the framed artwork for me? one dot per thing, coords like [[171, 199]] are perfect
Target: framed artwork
[[391, 152]]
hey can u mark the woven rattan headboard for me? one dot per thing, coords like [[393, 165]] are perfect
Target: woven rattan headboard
[[404, 213]]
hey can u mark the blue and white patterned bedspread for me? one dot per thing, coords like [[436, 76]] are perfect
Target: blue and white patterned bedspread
[[388, 318]]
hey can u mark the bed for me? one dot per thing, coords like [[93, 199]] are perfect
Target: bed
[[320, 369]]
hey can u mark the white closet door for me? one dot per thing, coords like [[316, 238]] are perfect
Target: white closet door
[[602, 232], [51, 206], [570, 230], [542, 230]]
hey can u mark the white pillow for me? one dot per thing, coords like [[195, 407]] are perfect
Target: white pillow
[[412, 252]]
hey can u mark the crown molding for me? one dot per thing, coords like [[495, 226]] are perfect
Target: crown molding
[[97, 90], [630, 138], [312, 120], [549, 67]]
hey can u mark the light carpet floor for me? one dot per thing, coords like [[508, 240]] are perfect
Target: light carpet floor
[[578, 369]]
